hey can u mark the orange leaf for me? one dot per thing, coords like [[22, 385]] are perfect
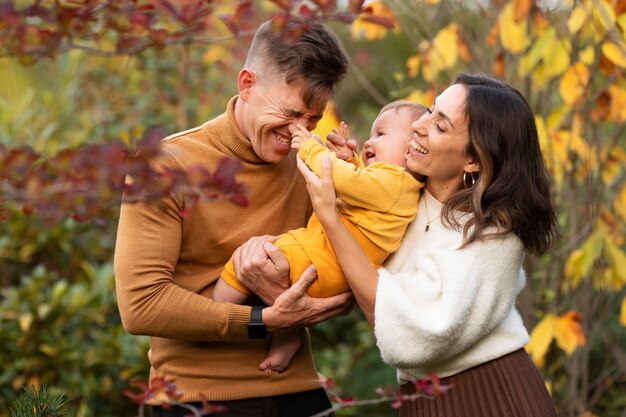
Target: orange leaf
[[615, 52], [574, 83], [568, 332], [498, 65], [493, 35], [522, 9]]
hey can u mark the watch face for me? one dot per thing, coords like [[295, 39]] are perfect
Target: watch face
[[256, 327]]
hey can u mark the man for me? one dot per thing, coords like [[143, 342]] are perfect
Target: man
[[166, 265]]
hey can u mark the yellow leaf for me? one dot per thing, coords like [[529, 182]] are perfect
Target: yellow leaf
[[616, 260], [538, 51], [568, 332], [328, 121], [422, 97], [215, 53], [573, 83], [540, 339], [557, 58], [543, 134], [558, 117], [580, 262], [513, 35], [604, 13], [413, 65], [616, 53], [612, 170], [587, 55], [617, 110], [25, 320], [621, 22], [577, 19], [622, 315], [429, 1], [440, 54], [619, 204], [362, 29], [445, 48]]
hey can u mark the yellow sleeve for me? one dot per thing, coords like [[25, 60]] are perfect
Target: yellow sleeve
[[376, 187]]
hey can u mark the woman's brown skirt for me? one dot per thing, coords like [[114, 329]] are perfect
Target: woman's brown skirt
[[510, 386]]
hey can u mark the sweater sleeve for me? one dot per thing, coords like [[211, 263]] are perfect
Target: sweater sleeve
[[377, 187], [446, 301], [150, 302]]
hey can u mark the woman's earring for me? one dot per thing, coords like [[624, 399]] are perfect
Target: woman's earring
[[473, 180]]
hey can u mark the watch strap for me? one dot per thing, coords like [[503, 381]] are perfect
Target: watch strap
[[256, 327]]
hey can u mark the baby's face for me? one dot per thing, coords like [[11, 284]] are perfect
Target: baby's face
[[389, 138]]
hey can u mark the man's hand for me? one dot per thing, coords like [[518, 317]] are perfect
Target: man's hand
[[295, 308], [339, 142], [262, 268]]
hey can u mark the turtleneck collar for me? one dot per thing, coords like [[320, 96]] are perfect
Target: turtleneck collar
[[231, 139]]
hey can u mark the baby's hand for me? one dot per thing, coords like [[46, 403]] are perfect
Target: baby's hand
[[298, 136], [339, 142]]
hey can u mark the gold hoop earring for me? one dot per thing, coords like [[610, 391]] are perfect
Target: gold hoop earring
[[471, 177]]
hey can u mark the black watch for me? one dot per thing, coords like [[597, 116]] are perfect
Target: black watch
[[256, 327]]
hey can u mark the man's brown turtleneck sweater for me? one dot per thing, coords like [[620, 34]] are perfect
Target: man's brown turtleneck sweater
[[166, 266]]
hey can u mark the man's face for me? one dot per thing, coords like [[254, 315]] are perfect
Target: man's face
[[271, 107]]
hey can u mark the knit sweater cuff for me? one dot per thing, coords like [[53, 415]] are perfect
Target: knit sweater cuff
[[238, 320]]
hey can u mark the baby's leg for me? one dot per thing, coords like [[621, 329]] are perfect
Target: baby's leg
[[227, 294], [283, 347]]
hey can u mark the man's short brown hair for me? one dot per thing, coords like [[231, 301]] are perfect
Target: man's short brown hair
[[300, 50]]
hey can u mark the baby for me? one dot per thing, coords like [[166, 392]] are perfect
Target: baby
[[378, 200]]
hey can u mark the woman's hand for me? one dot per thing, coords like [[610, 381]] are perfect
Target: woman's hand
[[322, 192], [357, 268]]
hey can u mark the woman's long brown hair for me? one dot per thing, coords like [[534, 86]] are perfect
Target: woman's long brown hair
[[512, 190]]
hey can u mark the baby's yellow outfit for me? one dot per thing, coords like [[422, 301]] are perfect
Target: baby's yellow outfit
[[376, 205]]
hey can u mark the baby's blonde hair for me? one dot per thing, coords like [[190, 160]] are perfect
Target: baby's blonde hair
[[417, 110]]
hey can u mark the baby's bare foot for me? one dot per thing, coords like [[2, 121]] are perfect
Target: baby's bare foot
[[282, 348]]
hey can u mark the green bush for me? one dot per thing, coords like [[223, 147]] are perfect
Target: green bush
[[59, 324]]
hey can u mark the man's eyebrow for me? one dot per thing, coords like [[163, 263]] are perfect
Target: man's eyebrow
[[296, 113]]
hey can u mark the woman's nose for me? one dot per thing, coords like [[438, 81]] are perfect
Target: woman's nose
[[418, 126]]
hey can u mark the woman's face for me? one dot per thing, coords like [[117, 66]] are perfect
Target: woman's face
[[438, 147]]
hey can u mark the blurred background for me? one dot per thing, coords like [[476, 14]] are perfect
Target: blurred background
[[67, 81]]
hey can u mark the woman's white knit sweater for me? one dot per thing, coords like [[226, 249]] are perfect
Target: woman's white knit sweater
[[442, 309]]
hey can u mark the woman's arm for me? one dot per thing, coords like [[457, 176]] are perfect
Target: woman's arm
[[357, 268]]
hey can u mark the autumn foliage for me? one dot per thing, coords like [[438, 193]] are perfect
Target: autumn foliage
[[567, 57]]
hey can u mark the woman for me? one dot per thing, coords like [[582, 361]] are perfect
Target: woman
[[444, 303]]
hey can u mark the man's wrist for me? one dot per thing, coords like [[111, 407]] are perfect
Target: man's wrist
[[256, 327]]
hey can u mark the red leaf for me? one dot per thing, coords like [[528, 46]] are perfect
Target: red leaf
[[284, 4], [326, 6], [355, 6], [378, 20]]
